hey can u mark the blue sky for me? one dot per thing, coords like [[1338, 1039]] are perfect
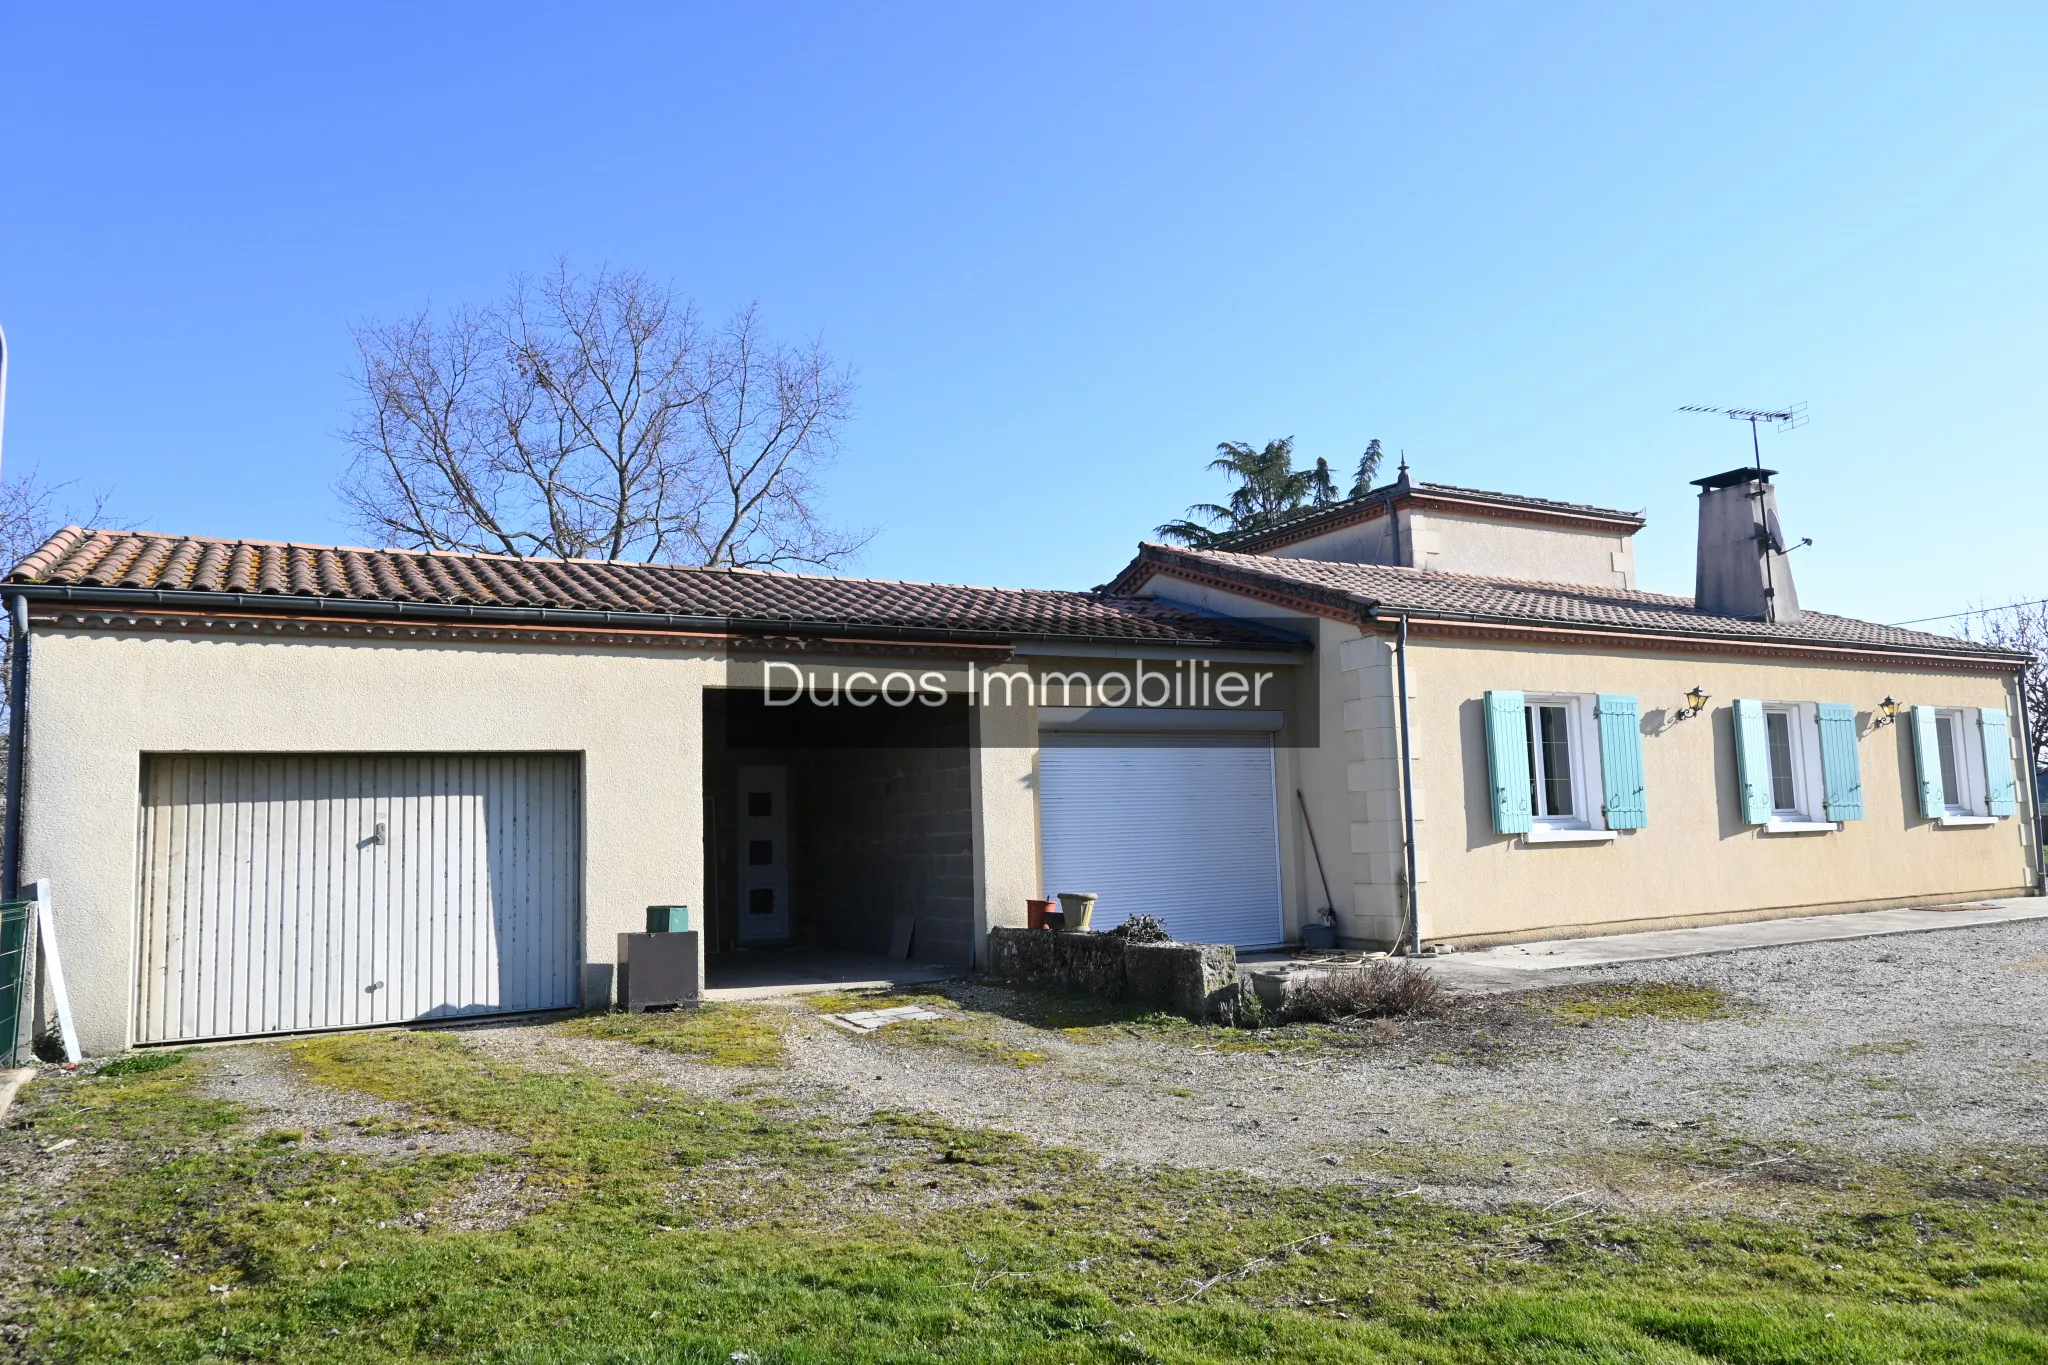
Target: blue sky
[[1070, 248]]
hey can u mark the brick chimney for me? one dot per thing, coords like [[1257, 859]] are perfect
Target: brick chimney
[[1743, 569]]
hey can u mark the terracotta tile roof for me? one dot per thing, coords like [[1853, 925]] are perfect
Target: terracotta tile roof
[[1622, 610], [326, 578], [1308, 521]]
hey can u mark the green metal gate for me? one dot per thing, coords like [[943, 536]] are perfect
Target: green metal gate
[[17, 926]]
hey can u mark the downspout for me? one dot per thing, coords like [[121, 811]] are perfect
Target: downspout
[[2035, 852], [17, 746], [1414, 930]]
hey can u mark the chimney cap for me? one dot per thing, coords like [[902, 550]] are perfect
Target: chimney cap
[[1746, 474]]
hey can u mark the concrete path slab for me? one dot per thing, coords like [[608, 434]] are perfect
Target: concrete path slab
[[1528, 966], [762, 976]]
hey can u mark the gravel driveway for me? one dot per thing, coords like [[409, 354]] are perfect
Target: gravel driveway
[[1922, 1045], [1831, 1056]]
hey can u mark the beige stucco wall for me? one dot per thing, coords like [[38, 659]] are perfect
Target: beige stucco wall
[[98, 703], [1696, 861], [1515, 549], [1003, 773], [1485, 546], [1365, 542]]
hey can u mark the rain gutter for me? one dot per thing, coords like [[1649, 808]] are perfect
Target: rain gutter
[[278, 603]]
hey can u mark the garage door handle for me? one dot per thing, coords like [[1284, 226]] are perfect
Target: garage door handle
[[373, 986]]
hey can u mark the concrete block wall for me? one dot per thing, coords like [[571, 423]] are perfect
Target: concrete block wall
[[891, 829], [1370, 742]]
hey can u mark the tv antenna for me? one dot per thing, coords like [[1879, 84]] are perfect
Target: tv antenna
[[1785, 419]]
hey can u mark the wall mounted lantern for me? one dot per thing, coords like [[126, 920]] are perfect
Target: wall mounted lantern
[[1695, 702], [1890, 707]]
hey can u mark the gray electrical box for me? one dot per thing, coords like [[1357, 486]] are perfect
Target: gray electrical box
[[658, 970]]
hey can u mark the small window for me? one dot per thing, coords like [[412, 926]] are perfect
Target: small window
[[760, 805], [760, 852], [761, 900], [1560, 737]]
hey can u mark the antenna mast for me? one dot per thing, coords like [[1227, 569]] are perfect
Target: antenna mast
[[1785, 419]]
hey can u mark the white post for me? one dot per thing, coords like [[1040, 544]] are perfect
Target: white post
[[46, 920]]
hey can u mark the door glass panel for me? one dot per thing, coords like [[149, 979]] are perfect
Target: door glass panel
[[1945, 740], [1784, 796], [1555, 742], [1535, 763]]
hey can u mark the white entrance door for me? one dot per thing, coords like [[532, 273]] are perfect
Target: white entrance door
[[764, 854], [283, 892], [1184, 827]]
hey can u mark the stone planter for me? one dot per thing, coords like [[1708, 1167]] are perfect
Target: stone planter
[[1076, 908], [1196, 980]]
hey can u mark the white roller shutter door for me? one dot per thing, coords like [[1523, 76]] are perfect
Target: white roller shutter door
[[283, 892], [1184, 827]]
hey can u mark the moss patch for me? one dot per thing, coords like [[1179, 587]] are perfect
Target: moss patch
[[719, 1034], [142, 1063], [974, 1034], [1636, 1000]]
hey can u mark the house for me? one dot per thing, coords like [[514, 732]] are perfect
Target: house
[[283, 787]]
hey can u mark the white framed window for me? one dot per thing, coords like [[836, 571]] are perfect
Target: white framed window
[[1565, 796], [1961, 752], [1798, 789]]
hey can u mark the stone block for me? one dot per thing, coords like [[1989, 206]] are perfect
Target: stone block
[[1027, 955], [1091, 962], [1197, 980], [1194, 980]]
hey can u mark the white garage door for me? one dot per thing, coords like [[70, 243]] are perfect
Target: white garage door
[[293, 891], [1179, 826]]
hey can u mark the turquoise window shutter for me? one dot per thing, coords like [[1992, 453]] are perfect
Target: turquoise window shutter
[[1998, 785], [1927, 761], [1753, 761], [1621, 762], [1507, 761], [1841, 766]]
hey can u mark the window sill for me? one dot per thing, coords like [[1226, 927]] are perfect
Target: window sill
[[1966, 821], [1540, 835], [1798, 827]]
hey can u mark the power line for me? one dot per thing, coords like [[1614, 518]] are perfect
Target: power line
[[1981, 611]]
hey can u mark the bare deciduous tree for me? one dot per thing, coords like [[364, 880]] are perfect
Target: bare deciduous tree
[[31, 511], [2023, 627], [596, 417]]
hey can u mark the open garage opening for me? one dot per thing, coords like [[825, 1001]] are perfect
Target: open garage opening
[[836, 830]]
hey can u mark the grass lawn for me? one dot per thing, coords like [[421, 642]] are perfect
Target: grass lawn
[[664, 1227]]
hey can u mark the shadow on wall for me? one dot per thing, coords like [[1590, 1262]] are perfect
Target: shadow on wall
[[1909, 772], [1479, 831], [1727, 781]]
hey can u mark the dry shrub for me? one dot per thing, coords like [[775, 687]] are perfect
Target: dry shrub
[[1387, 988], [1143, 929]]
